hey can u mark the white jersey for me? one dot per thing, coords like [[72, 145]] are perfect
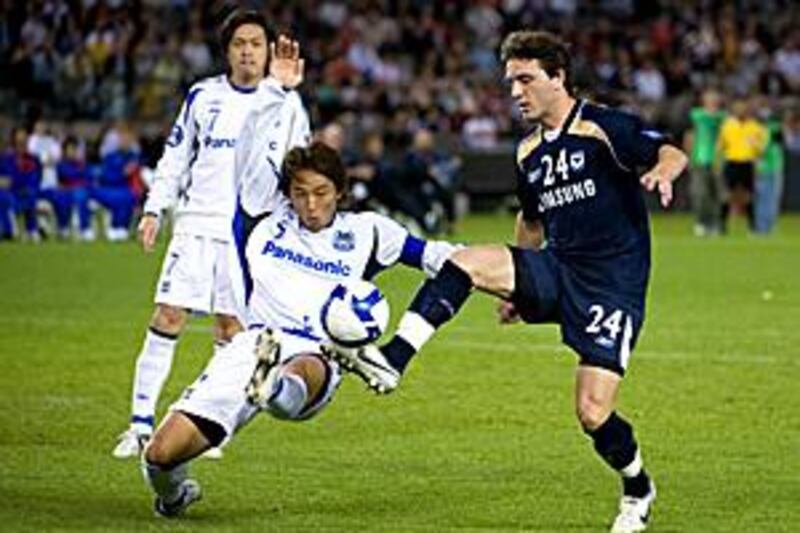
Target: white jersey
[[293, 270], [196, 175]]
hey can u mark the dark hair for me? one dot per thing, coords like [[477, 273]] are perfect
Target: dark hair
[[318, 157], [238, 18], [548, 49]]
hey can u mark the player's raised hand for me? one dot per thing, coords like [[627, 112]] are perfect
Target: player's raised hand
[[285, 63], [507, 313], [148, 231], [656, 180]]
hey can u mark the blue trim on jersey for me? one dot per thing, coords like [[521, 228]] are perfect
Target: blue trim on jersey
[[239, 238], [413, 249], [302, 333], [240, 89], [189, 101], [373, 265]]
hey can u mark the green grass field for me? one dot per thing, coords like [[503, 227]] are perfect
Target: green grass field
[[481, 435]]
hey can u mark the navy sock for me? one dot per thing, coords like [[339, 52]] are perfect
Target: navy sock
[[440, 298], [437, 301], [614, 442], [637, 486], [398, 352]]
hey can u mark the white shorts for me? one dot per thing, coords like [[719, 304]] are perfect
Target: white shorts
[[219, 393], [196, 275]]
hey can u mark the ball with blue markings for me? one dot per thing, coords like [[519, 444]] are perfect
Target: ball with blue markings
[[356, 313]]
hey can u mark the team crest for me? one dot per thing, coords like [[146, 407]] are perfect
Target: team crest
[[175, 137], [344, 241], [534, 175], [577, 160]]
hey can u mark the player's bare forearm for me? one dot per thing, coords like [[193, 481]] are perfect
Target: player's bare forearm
[[670, 165], [528, 234]]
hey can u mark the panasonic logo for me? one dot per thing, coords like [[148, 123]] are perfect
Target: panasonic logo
[[211, 142], [336, 268]]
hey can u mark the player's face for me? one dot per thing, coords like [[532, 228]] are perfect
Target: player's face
[[247, 54], [314, 198], [531, 88]]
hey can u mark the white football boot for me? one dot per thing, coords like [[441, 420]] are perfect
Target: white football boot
[[268, 355], [634, 513], [368, 363], [131, 444], [190, 492], [212, 453]]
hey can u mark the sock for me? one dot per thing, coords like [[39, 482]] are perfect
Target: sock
[[615, 443], [165, 482], [152, 369], [436, 302], [289, 397]]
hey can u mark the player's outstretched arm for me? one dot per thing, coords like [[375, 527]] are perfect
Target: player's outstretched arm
[[285, 63], [671, 163]]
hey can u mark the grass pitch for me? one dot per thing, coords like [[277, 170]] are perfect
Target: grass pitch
[[480, 436]]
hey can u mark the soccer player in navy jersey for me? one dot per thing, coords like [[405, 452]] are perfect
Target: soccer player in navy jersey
[[581, 257]]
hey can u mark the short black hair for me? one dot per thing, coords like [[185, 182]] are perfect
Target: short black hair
[[551, 52], [239, 17], [318, 157]]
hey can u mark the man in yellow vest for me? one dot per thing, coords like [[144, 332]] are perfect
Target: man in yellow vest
[[742, 140]]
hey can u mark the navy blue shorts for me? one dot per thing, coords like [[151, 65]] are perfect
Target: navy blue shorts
[[601, 323]]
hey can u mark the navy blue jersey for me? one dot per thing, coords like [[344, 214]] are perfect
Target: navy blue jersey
[[582, 184]]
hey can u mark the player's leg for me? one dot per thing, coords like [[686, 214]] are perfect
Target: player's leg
[[596, 391], [489, 268], [180, 438], [152, 369], [302, 386]]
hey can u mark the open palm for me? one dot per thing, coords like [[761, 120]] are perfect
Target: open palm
[[285, 63]]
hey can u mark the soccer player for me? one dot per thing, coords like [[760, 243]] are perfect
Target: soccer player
[[579, 187], [295, 258], [195, 176]]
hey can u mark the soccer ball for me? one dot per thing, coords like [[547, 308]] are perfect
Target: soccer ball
[[356, 313]]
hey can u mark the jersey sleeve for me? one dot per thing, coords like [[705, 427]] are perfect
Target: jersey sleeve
[[394, 244], [179, 151], [635, 144]]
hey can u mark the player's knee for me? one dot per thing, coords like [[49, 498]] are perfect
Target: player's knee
[[226, 328], [158, 451], [168, 319], [591, 414]]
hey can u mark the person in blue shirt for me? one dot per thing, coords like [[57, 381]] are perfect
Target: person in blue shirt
[[72, 192], [20, 183], [580, 172], [114, 191]]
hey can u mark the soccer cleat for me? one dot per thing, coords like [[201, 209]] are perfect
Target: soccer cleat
[[131, 444], [368, 363], [189, 493], [634, 513], [268, 355], [212, 453]]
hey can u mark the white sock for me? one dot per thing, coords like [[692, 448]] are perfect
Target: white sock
[[635, 466], [165, 483], [414, 329], [152, 369], [288, 397]]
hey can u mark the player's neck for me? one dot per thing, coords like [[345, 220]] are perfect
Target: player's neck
[[560, 113], [244, 82]]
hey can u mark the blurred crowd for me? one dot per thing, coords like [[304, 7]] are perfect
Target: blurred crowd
[[386, 75]]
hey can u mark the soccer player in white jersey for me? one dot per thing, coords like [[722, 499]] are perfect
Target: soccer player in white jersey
[[195, 177], [294, 259]]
